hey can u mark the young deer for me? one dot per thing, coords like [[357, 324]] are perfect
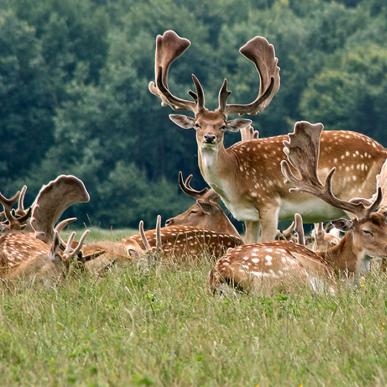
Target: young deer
[[247, 175], [247, 265], [206, 213]]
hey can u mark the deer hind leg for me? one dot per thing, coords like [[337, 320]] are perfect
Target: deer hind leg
[[252, 231], [269, 222]]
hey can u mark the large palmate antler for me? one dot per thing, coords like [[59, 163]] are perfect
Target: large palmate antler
[[52, 200], [303, 150], [169, 47], [262, 54]]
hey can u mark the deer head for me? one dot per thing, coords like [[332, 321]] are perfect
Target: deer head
[[368, 228], [206, 213], [210, 125], [11, 219]]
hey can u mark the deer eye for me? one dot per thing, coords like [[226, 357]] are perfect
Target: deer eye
[[223, 127], [193, 211], [197, 126], [368, 232]]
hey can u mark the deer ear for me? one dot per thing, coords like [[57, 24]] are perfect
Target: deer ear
[[342, 224], [183, 121], [238, 124], [133, 253], [207, 207]]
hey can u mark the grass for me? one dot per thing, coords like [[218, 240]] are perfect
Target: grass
[[161, 327]]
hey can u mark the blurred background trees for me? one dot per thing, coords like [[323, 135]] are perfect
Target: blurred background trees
[[74, 98]]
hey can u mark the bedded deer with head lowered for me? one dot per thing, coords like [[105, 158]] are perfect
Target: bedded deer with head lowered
[[249, 265], [247, 175], [30, 246], [206, 213]]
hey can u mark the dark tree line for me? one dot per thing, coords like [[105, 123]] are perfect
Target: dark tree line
[[74, 98]]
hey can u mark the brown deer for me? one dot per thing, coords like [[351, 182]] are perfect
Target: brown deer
[[248, 265], [247, 175], [33, 246], [11, 219], [206, 213], [24, 257], [321, 239], [173, 243]]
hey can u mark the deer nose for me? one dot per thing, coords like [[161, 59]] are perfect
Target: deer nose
[[169, 221], [209, 138]]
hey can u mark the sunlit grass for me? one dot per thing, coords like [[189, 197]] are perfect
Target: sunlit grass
[[161, 327]]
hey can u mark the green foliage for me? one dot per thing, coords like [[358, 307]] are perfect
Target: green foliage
[[74, 98]]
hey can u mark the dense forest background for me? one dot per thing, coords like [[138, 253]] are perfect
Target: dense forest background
[[74, 97]]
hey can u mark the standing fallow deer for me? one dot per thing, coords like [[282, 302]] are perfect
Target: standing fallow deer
[[247, 266], [247, 175], [206, 213]]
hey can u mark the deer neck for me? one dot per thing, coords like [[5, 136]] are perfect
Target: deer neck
[[346, 256], [215, 165]]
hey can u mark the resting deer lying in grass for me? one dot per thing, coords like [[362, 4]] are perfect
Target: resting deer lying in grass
[[246, 266], [247, 175], [206, 213], [33, 249], [174, 243]]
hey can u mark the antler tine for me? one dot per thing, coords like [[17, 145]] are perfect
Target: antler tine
[[7, 205], [143, 236], [289, 231], [222, 96], [64, 223], [382, 184], [74, 252], [186, 187], [20, 211], [199, 93], [68, 249], [159, 244], [299, 224], [169, 47], [304, 144], [376, 203], [262, 54]]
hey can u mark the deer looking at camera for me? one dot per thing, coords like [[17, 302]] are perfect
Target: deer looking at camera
[[246, 266], [247, 175]]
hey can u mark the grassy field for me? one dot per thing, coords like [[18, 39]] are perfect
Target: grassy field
[[161, 327]]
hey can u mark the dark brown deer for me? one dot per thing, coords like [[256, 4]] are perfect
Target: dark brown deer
[[246, 266], [247, 175]]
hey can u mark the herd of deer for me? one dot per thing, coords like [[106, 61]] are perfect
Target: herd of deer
[[319, 175]]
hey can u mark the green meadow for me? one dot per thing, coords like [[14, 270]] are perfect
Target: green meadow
[[159, 326]]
